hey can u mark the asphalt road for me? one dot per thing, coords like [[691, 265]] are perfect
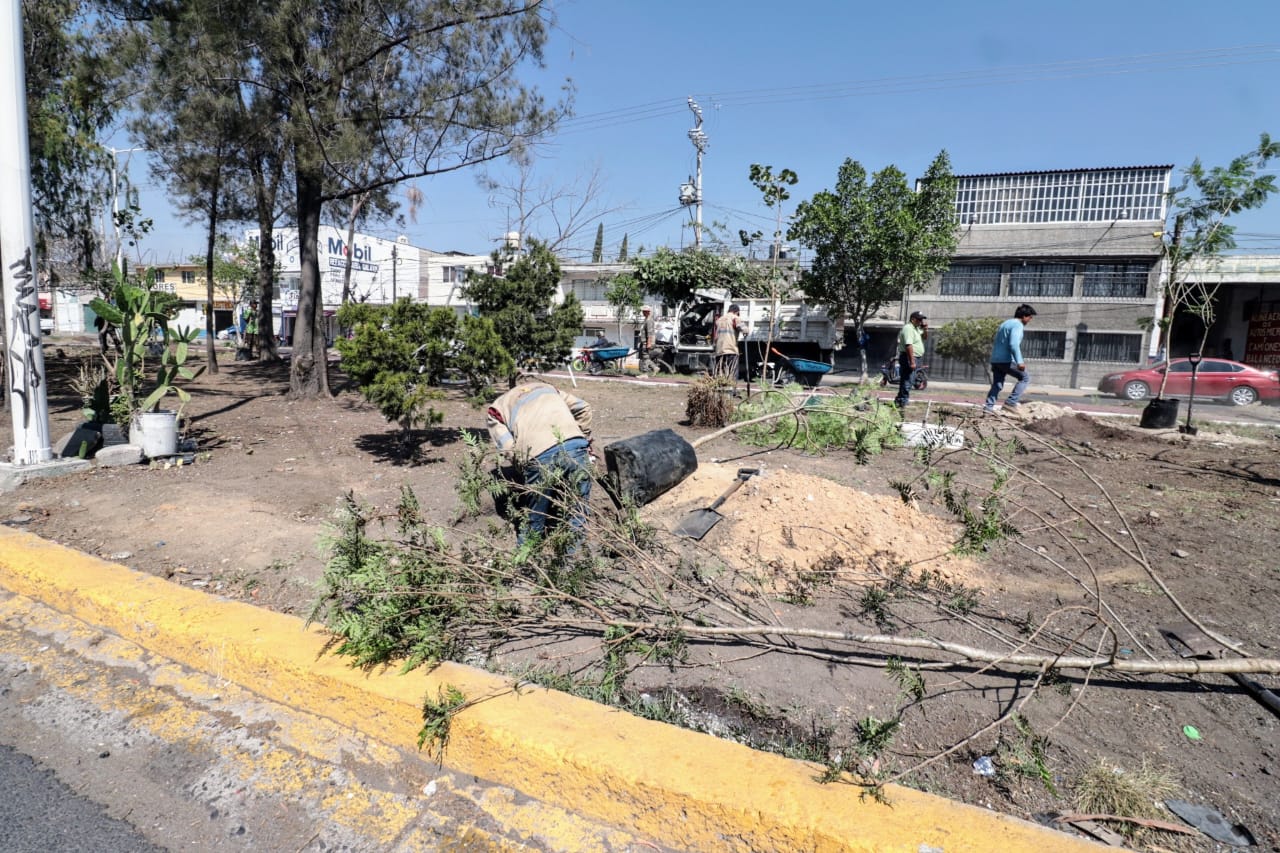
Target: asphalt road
[[39, 814]]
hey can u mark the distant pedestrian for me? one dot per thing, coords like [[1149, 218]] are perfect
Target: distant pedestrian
[[725, 349], [547, 432], [910, 353], [251, 326], [1007, 360]]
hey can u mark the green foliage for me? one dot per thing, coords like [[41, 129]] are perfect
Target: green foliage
[[857, 422], [872, 242], [70, 63], [624, 294], [395, 354], [437, 718], [1025, 755], [910, 681], [622, 250], [597, 252], [985, 523], [674, 276], [389, 600], [141, 317], [968, 340], [1198, 234], [521, 305]]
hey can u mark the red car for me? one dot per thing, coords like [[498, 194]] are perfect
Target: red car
[[1217, 377]]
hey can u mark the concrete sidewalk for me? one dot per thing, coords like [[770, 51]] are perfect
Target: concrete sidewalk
[[680, 789]]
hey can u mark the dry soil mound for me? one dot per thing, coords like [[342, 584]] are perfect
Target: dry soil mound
[[792, 522]]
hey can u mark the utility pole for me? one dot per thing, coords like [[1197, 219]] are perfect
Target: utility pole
[[115, 201], [691, 193], [24, 351], [394, 253]]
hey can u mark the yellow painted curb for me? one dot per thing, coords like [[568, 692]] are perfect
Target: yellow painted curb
[[680, 788]]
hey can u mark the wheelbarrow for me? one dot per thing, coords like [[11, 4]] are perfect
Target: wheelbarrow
[[804, 371], [598, 360]]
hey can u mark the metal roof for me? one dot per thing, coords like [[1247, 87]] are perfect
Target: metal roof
[[1064, 171]]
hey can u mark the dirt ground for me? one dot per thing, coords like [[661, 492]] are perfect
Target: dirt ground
[[807, 537]]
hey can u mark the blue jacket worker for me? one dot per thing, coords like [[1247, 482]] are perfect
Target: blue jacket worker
[[1007, 360]]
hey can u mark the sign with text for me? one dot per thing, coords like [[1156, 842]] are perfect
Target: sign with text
[[1262, 347]]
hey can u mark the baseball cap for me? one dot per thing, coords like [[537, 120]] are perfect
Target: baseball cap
[[917, 315]]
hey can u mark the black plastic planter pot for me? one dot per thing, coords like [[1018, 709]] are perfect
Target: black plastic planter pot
[[1160, 413]]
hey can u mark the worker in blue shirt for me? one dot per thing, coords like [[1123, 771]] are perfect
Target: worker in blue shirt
[[1007, 360]]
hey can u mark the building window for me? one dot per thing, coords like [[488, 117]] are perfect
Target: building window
[[159, 275], [1109, 346], [188, 277], [587, 289], [1116, 280], [1042, 280], [971, 280], [1102, 195], [1051, 346]]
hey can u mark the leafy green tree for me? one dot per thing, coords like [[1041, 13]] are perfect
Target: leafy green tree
[[874, 242], [968, 341], [396, 355], [521, 304], [625, 296], [674, 276], [70, 62], [597, 253], [1198, 233]]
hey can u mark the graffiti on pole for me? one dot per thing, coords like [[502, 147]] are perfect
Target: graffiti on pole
[[24, 335]]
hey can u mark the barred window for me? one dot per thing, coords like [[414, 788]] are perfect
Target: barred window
[[159, 275], [1042, 280], [1101, 195], [1116, 280], [188, 277], [971, 280], [1044, 345], [1118, 347]]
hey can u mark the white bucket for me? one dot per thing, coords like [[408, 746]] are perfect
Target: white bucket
[[156, 433]]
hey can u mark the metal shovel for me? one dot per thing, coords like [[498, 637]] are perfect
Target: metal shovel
[[696, 524]]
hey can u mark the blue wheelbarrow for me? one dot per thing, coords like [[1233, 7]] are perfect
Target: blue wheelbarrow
[[801, 371]]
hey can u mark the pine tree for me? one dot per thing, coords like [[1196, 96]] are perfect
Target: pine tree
[[622, 251], [597, 254]]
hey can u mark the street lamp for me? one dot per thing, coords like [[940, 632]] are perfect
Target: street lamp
[[1194, 358]]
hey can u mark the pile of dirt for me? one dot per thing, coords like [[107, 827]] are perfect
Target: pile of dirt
[[793, 522]]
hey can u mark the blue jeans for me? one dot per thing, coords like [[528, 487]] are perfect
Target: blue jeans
[[565, 466], [998, 374], [906, 378]]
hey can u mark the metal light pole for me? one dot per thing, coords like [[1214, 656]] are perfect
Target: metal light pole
[[699, 140], [1194, 358], [115, 201], [394, 254], [24, 352]]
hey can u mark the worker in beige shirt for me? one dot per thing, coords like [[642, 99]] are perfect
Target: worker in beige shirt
[[548, 433]]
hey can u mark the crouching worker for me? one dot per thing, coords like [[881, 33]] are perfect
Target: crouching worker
[[548, 434]]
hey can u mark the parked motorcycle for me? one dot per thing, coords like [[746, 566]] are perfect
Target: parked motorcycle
[[890, 374]]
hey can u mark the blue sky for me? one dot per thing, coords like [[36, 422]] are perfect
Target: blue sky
[[1001, 85]]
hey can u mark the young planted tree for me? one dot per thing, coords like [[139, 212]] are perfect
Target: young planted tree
[[399, 353], [1198, 233], [773, 190], [625, 296], [968, 341], [874, 242], [521, 303]]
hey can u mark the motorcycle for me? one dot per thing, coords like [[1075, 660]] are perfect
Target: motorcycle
[[890, 374]]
